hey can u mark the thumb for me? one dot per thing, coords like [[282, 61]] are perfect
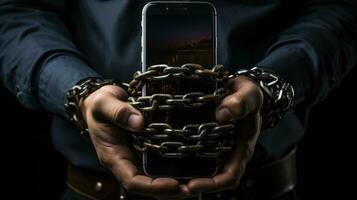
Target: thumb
[[246, 99], [120, 113], [231, 107], [123, 114]]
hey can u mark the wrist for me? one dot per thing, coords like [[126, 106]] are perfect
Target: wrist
[[77, 104], [278, 95]]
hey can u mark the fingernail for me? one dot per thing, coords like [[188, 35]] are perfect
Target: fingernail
[[223, 115], [134, 121]]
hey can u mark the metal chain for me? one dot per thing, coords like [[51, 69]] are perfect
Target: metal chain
[[208, 139], [167, 101], [204, 140], [81, 90], [279, 95], [164, 72]]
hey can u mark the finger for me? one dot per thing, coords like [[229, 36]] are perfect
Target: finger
[[133, 180], [228, 179], [120, 160], [218, 183], [140, 184], [181, 193], [249, 129], [234, 169], [119, 113], [246, 99]]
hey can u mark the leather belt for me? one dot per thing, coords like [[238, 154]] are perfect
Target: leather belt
[[268, 182]]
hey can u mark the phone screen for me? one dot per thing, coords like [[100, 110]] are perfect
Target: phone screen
[[178, 39], [176, 34]]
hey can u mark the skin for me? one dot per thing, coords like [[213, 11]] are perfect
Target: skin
[[110, 120]]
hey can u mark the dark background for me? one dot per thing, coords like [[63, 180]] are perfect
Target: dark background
[[32, 169]]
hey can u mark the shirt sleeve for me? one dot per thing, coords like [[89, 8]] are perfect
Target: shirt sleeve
[[317, 50], [38, 60]]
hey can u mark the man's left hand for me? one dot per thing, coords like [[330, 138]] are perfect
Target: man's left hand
[[244, 106]]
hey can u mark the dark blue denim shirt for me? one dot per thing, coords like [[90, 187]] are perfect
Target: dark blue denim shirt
[[48, 46]]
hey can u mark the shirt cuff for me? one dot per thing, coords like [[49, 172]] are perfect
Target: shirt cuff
[[58, 74], [291, 62]]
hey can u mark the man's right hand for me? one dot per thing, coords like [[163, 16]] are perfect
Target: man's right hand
[[110, 119]]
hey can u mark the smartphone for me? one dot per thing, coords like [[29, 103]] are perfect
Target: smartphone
[[175, 33]]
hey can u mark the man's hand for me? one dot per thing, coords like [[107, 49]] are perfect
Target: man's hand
[[110, 120], [244, 106]]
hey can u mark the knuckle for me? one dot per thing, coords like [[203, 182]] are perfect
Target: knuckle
[[99, 99], [115, 91], [238, 105], [120, 112], [240, 102], [97, 105], [235, 100]]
